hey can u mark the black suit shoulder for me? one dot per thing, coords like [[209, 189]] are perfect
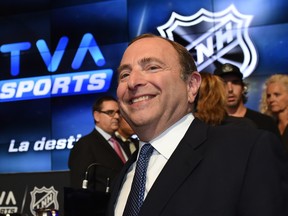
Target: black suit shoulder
[[233, 135], [263, 121], [83, 148]]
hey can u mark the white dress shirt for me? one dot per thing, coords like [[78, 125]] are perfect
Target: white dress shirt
[[164, 145]]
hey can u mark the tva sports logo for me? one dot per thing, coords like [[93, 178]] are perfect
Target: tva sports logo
[[214, 38], [53, 85], [8, 204]]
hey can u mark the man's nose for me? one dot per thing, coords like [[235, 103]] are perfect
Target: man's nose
[[136, 78], [229, 86], [117, 115]]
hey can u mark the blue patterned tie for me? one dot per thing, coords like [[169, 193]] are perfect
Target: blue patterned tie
[[136, 195]]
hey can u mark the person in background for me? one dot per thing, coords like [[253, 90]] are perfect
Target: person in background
[[211, 103], [125, 136], [236, 90], [274, 102], [94, 158], [185, 166]]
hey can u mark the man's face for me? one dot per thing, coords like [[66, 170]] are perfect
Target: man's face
[[151, 93], [108, 117], [277, 97], [234, 90]]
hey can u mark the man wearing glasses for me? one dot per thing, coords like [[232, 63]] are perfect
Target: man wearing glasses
[[97, 158]]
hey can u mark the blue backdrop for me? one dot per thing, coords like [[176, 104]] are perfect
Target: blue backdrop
[[36, 134]]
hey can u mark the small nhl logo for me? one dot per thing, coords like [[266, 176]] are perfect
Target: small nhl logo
[[43, 198]]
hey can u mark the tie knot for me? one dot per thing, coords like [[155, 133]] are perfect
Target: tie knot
[[146, 149], [112, 139]]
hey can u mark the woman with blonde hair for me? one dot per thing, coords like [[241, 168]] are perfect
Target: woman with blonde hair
[[274, 102]]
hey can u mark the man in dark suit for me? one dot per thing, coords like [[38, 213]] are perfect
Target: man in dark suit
[[194, 169], [93, 158]]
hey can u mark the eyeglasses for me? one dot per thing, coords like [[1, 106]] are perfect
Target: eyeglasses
[[110, 113]]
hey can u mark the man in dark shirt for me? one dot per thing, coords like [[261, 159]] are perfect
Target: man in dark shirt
[[236, 98]]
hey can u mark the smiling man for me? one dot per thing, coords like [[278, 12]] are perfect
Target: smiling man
[[185, 167]]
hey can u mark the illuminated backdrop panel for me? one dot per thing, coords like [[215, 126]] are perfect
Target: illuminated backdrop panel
[[57, 57]]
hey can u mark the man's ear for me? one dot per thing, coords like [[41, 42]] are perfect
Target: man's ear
[[96, 116], [194, 82]]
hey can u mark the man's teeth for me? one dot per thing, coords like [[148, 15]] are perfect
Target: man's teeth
[[140, 99]]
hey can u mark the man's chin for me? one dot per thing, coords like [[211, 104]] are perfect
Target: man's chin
[[232, 105], [115, 128]]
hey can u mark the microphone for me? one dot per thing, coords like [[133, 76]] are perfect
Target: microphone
[[107, 185], [85, 180]]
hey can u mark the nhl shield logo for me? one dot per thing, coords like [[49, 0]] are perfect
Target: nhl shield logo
[[214, 38], [42, 198]]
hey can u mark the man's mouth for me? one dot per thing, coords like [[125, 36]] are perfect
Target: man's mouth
[[231, 97], [139, 99]]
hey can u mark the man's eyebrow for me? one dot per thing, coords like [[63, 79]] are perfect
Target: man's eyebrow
[[123, 67], [140, 62], [150, 59]]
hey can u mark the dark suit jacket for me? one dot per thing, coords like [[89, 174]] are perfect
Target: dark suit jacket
[[93, 148], [219, 171], [263, 121]]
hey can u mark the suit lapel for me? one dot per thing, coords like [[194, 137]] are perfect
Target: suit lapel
[[181, 164], [118, 183], [103, 143]]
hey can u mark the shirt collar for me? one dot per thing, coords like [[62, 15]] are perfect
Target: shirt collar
[[167, 142], [103, 133]]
